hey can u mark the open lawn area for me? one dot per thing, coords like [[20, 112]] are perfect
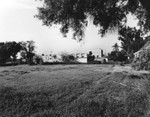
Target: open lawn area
[[74, 91]]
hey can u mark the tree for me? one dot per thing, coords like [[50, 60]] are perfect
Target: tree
[[115, 47], [131, 40], [90, 57], [118, 56], [28, 51], [55, 56], [13, 49], [4, 54], [123, 56], [107, 14], [9, 49], [37, 59], [113, 56], [68, 58]]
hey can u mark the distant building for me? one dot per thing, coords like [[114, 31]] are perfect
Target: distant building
[[82, 57], [97, 53]]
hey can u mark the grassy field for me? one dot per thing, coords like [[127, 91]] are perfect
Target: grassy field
[[74, 91]]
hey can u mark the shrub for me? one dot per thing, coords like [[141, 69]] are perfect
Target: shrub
[[142, 62], [68, 58]]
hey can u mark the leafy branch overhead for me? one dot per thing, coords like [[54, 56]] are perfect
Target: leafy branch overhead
[[131, 39], [106, 14]]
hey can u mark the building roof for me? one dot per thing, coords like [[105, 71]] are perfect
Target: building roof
[[146, 46]]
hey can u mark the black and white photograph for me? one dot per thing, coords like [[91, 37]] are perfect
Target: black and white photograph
[[74, 58]]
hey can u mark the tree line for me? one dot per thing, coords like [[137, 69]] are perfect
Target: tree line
[[9, 51]]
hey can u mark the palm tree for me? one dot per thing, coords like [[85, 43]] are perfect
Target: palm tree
[[115, 47]]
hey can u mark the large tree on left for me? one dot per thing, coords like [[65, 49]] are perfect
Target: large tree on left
[[9, 50], [4, 55]]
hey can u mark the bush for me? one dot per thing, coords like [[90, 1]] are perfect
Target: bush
[[68, 58], [118, 56], [142, 62]]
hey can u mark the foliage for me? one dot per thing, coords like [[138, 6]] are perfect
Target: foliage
[[55, 56], [28, 51], [14, 48], [37, 59], [4, 54], [68, 58], [115, 47], [107, 14], [131, 40], [8, 50], [23, 54], [118, 56], [90, 57], [143, 61]]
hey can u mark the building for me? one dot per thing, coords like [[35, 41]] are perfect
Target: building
[[81, 57], [97, 53]]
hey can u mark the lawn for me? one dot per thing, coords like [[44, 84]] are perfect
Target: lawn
[[74, 91]]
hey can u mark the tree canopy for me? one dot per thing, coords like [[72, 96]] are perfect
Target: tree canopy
[[108, 15], [131, 40], [8, 50], [115, 47], [13, 48], [117, 56], [28, 50], [4, 54]]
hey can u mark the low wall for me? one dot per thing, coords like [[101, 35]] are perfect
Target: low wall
[[82, 60]]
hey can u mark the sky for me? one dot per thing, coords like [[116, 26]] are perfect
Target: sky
[[17, 23]]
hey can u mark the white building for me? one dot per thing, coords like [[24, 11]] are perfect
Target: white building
[[97, 53], [81, 57]]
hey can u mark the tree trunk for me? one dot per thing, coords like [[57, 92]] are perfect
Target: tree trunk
[[13, 60]]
